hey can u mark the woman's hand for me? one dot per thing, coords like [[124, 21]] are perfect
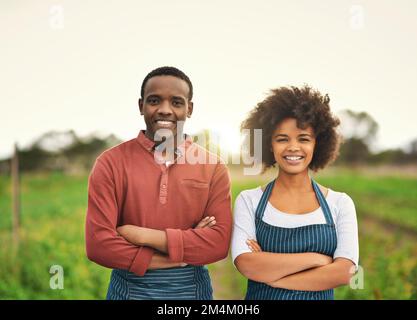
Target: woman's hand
[[253, 245], [323, 260]]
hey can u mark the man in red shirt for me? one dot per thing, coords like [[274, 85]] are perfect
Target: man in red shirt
[[155, 215]]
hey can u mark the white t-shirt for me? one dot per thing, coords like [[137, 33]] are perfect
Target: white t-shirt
[[341, 206]]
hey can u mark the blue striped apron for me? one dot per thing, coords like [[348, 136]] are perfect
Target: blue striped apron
[[320, 238], [182, 283]]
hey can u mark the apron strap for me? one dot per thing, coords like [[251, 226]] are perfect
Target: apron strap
[[260, 209], [323, 204]]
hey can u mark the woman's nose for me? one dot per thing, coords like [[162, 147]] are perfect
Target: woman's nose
[[293, 147]]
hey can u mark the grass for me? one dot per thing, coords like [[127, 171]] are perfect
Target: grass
[[52, 233], [393, 199]]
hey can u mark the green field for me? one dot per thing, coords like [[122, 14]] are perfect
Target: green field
[[52, 233]]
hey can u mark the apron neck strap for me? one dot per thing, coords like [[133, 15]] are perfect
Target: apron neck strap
[[260, 209], [323, 203]]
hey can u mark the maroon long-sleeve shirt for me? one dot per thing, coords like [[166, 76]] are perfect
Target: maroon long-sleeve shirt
[[127, 186]]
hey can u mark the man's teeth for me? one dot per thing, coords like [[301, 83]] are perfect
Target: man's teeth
[[293, 158], [164, 122]]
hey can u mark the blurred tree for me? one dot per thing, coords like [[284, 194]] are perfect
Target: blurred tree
[[359, 131], [358, 125], [33, 158], [412, 156], [391, 156], [413, 147], [61, 151], [354, 151], [56, 141]]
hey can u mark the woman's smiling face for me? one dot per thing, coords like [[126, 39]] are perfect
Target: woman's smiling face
[[293, 147]]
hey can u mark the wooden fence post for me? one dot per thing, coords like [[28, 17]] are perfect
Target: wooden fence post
[[15, 195]]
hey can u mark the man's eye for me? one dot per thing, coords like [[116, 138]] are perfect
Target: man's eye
[[177, 103], [152, 101]]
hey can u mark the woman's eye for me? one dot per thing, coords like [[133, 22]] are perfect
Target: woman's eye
[[281, 140]]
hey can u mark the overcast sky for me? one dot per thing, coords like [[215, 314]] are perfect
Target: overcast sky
[[78, 64]]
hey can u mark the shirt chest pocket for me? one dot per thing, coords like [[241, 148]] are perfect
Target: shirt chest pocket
[[191, 183], [192, 198]]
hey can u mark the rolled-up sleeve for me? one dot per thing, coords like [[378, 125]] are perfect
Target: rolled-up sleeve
[[103, 244], [206, 245]]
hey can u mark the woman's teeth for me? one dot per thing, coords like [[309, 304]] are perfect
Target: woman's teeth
[[293, 158]]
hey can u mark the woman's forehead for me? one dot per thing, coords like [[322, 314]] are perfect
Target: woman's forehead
[[290, 125]]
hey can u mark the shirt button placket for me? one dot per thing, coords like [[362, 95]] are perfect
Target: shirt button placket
[[163, 188]]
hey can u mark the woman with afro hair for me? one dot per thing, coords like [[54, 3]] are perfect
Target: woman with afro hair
[[295, 239]]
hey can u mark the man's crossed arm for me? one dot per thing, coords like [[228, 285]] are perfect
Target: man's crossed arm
[[157, 239]]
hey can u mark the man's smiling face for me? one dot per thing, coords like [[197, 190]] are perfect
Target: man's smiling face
[[164, 103]]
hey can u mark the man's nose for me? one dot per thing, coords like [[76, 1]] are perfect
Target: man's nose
[[165, 108]]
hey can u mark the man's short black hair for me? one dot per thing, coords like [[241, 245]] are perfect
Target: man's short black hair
[[167, 71]]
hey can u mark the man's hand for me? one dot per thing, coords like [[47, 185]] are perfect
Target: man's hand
[[206, 222], [131, 233], [139, 235], [156, 239], [161, 261]]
